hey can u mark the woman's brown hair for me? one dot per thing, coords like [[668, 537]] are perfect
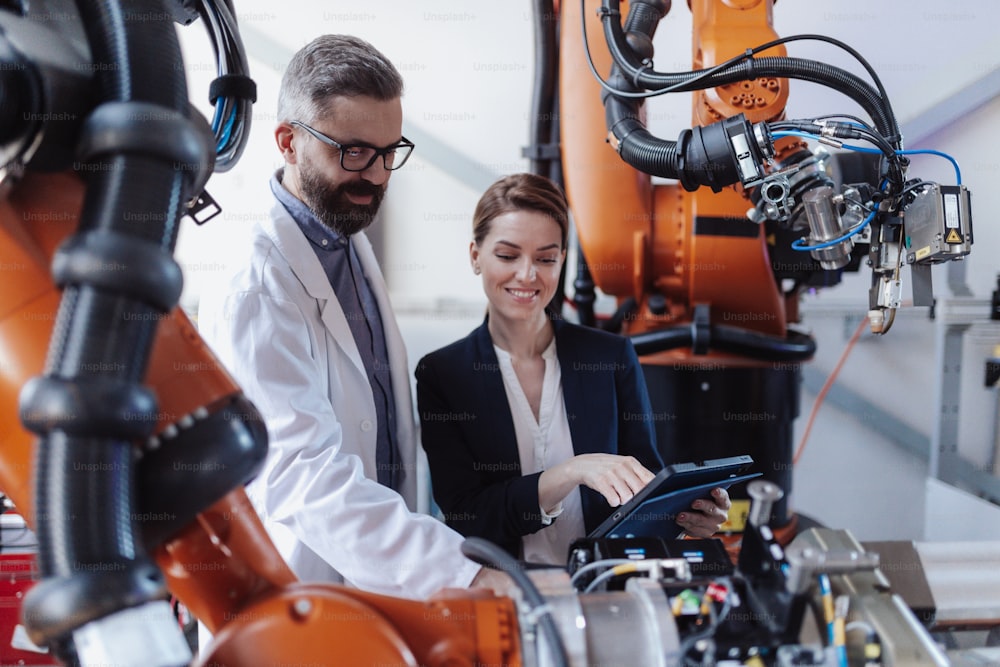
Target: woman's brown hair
[[520, 192]]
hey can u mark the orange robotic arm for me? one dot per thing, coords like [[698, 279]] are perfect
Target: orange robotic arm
[[640, 239], [685, 257], [708, 268]]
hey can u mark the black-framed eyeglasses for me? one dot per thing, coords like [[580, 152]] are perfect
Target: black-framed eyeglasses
[[358, 157]]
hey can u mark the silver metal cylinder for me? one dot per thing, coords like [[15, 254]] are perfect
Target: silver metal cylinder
[[763, 495], [612, 628], [825, 225]]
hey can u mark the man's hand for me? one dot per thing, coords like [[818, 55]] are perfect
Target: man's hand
[[499, 582], [707, 515]]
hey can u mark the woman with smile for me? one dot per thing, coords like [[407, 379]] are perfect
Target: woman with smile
[[533, 425]]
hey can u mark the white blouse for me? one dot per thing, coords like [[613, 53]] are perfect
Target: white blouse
[[542, 444]]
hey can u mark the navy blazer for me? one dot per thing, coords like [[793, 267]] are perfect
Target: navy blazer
[[468, 432]]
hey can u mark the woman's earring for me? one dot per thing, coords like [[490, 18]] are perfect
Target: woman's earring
[[475, 270]]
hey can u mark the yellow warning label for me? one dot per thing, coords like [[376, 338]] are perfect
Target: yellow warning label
[[953, 237], [738, 514]]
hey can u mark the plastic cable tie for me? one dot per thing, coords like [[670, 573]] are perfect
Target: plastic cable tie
[[751, 64]]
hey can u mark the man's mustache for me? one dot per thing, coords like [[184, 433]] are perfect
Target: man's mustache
[[361, 189]]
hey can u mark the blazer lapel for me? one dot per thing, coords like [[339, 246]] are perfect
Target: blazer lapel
[[583, 421], [582, 413], [497, 424]]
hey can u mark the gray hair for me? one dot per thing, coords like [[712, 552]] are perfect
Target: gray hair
[[331, 66]]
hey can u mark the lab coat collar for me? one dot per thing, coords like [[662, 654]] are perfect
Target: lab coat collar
[[316, 231], [289, 240]]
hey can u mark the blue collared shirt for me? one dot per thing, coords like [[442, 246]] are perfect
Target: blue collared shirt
[[340, 263]]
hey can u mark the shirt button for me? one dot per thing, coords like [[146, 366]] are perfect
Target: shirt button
[[325, 242], [366, 425]]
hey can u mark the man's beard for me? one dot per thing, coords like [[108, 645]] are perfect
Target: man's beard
[[333, 208]]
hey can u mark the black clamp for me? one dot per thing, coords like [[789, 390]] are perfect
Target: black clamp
[[701, 329], [91, 406], [123, 264], [751, 65], [57, 606], [203, 208], [233, 85], [143, 128]]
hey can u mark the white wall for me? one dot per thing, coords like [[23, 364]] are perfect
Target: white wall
[[468, 68]]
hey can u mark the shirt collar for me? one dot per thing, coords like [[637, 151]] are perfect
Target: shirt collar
[[549, 353], [312, 227]]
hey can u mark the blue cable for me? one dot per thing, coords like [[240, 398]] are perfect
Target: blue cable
[[816, 137], [797, 244], [824, 590], [224, 139], [863, 149], [930, 151], [794, 133], [827, 594], [217, 116]]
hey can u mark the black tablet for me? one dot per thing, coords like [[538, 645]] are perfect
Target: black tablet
[[652, 511]]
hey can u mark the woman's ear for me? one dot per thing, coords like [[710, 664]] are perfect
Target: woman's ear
[[474, 258]]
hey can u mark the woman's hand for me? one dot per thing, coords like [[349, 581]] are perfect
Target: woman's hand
[[617, 478], [707, 516]]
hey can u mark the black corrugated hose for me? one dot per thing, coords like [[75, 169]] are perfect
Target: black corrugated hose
[[142, 156]]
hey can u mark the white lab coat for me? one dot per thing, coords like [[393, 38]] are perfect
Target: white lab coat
[[279, 329]]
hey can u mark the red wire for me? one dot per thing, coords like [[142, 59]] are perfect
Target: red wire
[[826, 387]]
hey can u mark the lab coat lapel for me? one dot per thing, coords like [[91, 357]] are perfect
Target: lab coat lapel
[[294, 246], [398, 365], [393, 338]]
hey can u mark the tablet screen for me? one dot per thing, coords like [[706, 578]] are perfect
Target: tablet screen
[[652, 511]]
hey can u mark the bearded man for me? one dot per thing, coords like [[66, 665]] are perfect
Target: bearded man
[[307, 330]]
